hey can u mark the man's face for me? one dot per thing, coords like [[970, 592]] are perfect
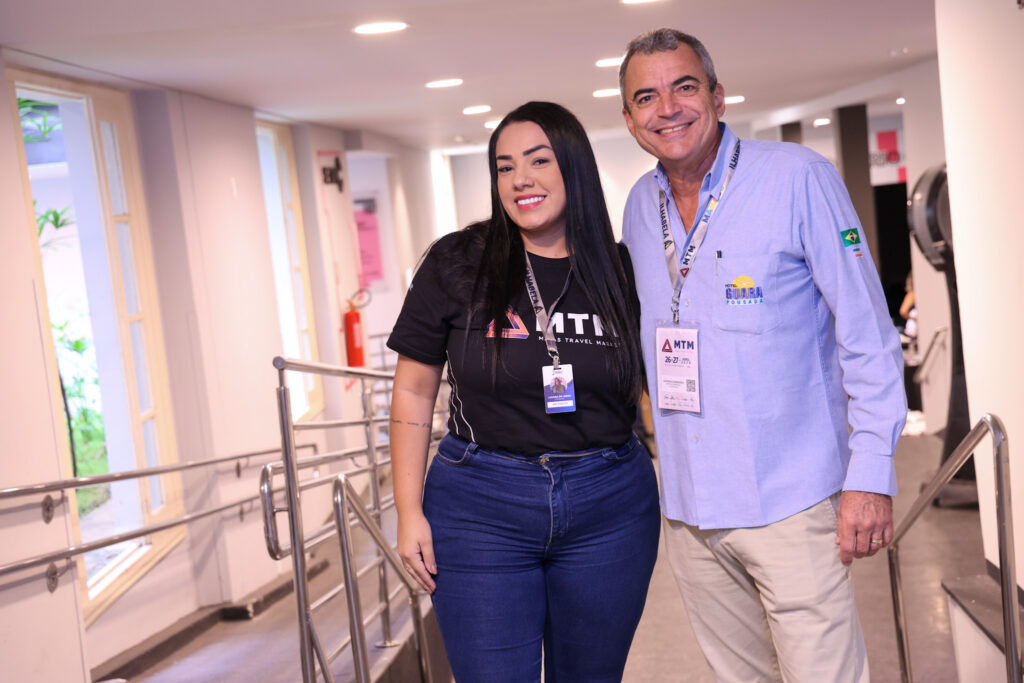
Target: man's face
[[672, 113]]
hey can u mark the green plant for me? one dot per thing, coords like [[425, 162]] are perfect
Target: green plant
[[85, 421], [58, 218], [36, 114]]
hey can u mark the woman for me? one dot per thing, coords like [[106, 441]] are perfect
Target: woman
[[538, 521]]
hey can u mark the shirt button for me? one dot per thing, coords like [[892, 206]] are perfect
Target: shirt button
[[687, 302], [697, 439]]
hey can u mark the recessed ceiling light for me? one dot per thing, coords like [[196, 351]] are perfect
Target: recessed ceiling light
[[901, 100], [492, 124], [477, 109], [636, 2], [899, 51], [381, 27], [445, 83], [609, 61], [606, 92], [735, 99], [818, 123], [459, 138]]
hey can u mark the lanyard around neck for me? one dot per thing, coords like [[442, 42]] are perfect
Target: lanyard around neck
[[544, 314], [679, 274]]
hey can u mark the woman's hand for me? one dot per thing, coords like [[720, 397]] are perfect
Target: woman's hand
[[416, 548]]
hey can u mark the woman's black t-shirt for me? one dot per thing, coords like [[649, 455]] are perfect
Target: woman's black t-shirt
[[509, 414]]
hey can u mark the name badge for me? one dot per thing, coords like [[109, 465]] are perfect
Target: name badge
[[678, 368], [559, 390]]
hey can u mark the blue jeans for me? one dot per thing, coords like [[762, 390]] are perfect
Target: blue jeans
[[556, 549]]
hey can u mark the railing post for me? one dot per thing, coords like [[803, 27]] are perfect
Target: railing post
[[291, 475], [382, 570], [1007, 558], [902, 646], [360, 659], [345, 499]]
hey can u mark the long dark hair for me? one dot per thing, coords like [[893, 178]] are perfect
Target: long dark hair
[[496, 246]]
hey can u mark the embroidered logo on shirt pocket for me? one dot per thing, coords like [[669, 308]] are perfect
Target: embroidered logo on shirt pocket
[[745, 300]]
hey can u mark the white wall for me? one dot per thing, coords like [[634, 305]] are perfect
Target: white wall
[[472, 187], [369, 179], [412, 194], [980, 53], [36, 624], [333, 262]]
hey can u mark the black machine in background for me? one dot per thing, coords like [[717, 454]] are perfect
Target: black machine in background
[[929, 219]]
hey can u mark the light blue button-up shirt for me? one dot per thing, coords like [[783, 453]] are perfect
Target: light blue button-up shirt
[[801, 372]]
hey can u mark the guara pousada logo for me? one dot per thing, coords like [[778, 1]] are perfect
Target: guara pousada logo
[[743, 291]]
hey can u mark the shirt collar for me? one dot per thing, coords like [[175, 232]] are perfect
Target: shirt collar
[[713, 179]]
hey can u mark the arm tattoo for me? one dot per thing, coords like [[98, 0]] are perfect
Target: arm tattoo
[[425, 425]]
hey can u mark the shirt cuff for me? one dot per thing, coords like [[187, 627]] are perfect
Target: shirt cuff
[[871, 473]]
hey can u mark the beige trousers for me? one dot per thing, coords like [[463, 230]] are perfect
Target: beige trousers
[[771, 603]]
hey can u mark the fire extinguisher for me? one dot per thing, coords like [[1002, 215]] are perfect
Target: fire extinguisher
[[352, 328]]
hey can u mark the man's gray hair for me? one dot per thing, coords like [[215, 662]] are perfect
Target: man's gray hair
[[664, 40]]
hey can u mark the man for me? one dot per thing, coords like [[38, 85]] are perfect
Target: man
[[774, 369]]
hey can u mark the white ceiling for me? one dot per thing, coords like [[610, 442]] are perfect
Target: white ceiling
[[299, 59]]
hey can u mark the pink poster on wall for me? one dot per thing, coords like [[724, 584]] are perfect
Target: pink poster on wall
[[368, 233]]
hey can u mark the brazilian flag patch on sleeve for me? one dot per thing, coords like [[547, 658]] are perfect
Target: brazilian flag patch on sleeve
[[851, 240]]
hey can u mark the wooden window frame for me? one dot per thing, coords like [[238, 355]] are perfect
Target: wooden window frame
[[108, 104]]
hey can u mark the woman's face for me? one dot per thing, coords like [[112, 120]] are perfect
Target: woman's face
[[530, 183]]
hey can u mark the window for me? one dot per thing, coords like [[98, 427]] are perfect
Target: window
[[291, 271], [106, 345]]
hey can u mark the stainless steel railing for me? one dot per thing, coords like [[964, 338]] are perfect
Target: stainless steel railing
[[48, 506], [346, 499], [988, 424], [314, 660]]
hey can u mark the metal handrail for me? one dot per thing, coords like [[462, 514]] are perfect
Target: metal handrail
[[309, 644], [988, 424], [274, 547], [283, 364], [52, 573], [344, 497], [920, 374], [325, 424], [312, 657], [97, 479], [73, 550]]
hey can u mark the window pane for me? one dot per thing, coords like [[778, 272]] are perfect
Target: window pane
[[112, 158], [156, 491], [286, 183], [126, 256], [300, 302], [141, 366], [297, 393], [293, 239], [307, 353], [279, 254]]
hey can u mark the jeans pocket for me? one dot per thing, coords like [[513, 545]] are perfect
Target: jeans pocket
[[626, 452], [455, 453]]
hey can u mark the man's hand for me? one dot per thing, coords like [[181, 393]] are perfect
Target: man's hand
[[865, 524]]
